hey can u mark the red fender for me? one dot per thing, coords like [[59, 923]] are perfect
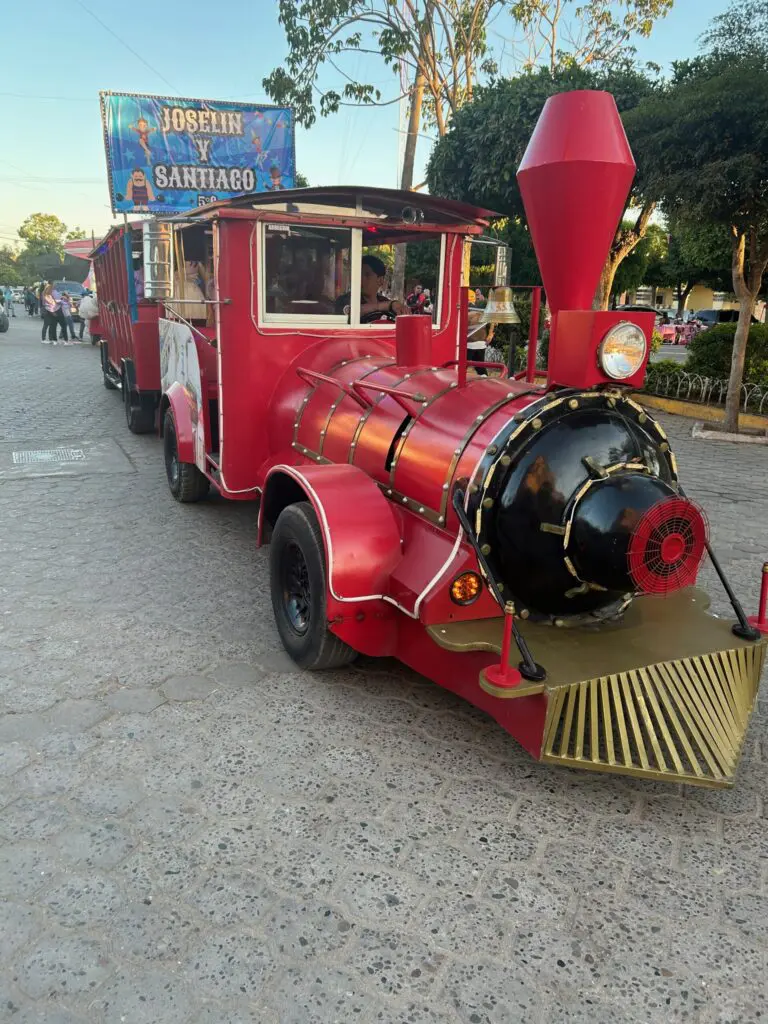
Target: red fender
[[360, 530], [179, 401]]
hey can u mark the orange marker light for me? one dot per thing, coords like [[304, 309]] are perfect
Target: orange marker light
[[466, 588]]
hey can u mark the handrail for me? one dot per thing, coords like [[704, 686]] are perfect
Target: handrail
[[314, 377], [401, 397], [476, 362]]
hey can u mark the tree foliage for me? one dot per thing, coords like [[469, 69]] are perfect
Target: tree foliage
[[557, 33], [640, 265], [43, 233], [444, 42], [477, 159], [10, 272], [705, 154]]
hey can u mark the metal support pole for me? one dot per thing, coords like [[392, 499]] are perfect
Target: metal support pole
[[533, 334], [463, 327]]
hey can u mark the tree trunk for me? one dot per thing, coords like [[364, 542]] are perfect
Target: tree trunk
[[733, 396], [746, 297], [625, 241], [406, 178], [605, 285], [682, 295]]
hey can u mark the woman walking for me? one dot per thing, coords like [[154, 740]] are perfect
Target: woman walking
[[50, 308]]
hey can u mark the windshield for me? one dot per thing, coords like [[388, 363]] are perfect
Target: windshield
[[68, 286]]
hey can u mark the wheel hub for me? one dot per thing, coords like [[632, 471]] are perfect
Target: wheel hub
[[296, 589]]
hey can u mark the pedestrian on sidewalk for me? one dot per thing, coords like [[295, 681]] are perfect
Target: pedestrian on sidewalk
[[66, 317], [8, 294], [51, 308]]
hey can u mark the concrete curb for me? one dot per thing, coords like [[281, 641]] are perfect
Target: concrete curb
[[693, 410], [699, 430]]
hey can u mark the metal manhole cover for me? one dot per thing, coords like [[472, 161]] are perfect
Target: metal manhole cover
[[48, 455]]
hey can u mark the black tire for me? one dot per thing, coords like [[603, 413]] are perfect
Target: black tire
[[298, 587], [139, 412], [185, 481], [5, 323], [95, 339]]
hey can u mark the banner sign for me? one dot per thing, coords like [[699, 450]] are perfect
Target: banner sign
[[166, 155]]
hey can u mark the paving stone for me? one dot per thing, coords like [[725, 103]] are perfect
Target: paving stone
[[302, 996], [30, 818], [523, 892], [484, 992], [398, 964], [27, 727], [152, 930], [79, 901], [73, 715], [308, 931], [62, 965], [30, 698], [183, 688], [154, 997], [95, 845], [19, 922], [380, 895], [110, 796], [221, 965], [225, 896], [459, 923], [141, 699], [25, 868], [13, 756]]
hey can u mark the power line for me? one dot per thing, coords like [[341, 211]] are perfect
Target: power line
[[126, 45]]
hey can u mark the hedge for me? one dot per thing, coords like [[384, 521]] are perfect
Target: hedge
[[709, 353]]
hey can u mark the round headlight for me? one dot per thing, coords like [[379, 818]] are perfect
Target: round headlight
[[622, 351]]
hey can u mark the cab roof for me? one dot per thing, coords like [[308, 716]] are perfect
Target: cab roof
[[356, 200]]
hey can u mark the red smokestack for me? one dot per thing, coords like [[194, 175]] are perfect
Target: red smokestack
[[574, 178]]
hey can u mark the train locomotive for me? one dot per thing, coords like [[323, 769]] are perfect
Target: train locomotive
[[524, 543]]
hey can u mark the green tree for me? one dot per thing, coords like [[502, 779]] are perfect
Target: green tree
[[705, 155], [598, 32], [641, 265], [10, 272], [477, 158], [43, 233], [696, 253]]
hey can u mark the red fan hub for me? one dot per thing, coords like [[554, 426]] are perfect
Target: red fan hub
[[667, 546]]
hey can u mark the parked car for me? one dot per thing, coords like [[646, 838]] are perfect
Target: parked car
[[75, 292], [710, 317], [638, 308]]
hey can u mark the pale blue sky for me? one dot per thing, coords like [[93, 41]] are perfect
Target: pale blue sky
[[51, 150]]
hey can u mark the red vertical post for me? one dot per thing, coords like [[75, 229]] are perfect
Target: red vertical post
[[533, 334], [760, 621], [503, 675], [463, 326]]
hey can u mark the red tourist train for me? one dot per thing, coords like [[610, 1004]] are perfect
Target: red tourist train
[[418, 510]]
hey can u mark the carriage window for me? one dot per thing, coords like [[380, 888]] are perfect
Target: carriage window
[[419, 288], [306, 270]]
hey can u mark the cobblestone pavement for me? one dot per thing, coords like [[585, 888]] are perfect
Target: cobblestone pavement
[[194, 831]]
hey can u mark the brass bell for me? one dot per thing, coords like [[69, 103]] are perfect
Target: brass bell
[[500, 308]]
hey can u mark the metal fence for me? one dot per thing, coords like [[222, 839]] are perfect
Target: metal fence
[[693, 387]]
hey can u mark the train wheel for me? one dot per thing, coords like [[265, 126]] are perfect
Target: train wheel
[[185, 481], [298, 585], [140, 416]]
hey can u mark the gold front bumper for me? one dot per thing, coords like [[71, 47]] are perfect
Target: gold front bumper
[[665, 694]]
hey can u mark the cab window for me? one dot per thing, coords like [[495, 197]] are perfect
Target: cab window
[[305, 270]]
